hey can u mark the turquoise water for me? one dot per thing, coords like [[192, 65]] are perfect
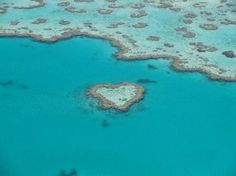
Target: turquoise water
[[185, 126]]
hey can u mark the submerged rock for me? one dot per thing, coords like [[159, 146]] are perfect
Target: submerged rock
[[72, 172], [229, 54], [64, 22], [153, 38], [105, 124], [201, 47], [140, 25], [190, 15], [138, 14], [6, 83], [39, 21], [152, 67], [14, 22], [146, 81], [65, 3], [208, 26]]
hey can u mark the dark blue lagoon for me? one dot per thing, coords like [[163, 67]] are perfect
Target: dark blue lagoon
[[185, 125]]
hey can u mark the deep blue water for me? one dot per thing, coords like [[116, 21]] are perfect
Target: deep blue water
[[185, 126]]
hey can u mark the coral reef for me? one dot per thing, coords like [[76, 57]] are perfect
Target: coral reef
[[117, 96], [140, 29]]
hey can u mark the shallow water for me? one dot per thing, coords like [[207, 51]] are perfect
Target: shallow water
[[185, 126]]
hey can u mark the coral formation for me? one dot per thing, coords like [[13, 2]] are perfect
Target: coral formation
[[140, 29]]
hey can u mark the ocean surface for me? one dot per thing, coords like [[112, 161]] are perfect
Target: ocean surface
[[185, 126]]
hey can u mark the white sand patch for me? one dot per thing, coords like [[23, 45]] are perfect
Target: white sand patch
[[120, 95]]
